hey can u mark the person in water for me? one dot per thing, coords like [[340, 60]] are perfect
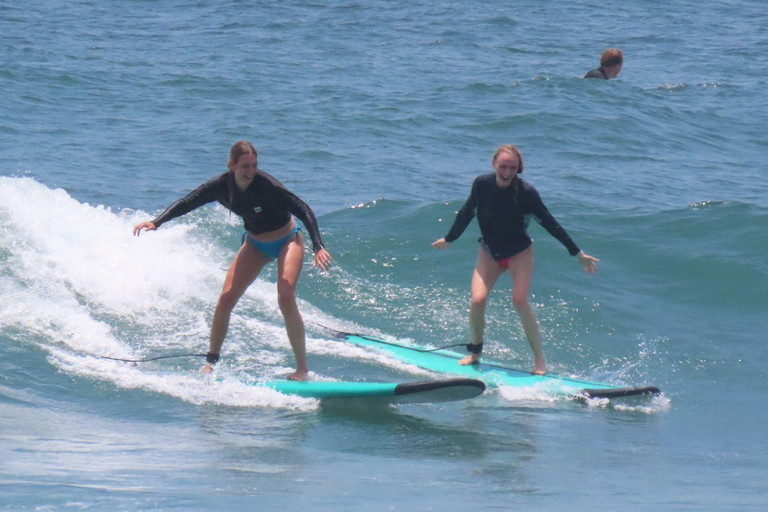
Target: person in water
[[504, 203], [271, 233], [611, 62]]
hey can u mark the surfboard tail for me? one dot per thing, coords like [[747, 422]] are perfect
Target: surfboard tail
[[443, 390], [618, 393]]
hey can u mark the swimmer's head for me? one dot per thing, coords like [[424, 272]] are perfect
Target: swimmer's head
[[612, 57]]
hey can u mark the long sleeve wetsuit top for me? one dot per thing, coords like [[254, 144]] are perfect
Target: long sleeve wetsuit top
[[504, 214], [266, 205], [597, 73]]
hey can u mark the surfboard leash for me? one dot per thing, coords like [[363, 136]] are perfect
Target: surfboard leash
[[150, 358], [383, 342]]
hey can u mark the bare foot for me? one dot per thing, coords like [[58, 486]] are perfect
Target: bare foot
[[299, 375], [470, 359], [539, 368], [205, 370]]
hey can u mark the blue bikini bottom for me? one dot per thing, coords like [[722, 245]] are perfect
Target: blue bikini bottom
[[271, 249]]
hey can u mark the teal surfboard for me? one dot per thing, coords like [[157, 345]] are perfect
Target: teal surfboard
[[428, 391], [494, 374], [440, 390]]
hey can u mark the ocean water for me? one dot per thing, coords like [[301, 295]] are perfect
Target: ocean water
[[379, 115]]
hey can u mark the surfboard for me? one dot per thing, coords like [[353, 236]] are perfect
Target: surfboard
[[492, 373], [431, 391], [427, 391]]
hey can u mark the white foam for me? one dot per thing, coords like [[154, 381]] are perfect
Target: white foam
[[193, 388], [545, 394], [657, 404], [535, 393], [59, 318], [73, 276], [91, 250], [72, 272]]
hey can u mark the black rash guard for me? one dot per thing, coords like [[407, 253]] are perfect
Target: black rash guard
[[504, 214], [597, 73], [266, 205]]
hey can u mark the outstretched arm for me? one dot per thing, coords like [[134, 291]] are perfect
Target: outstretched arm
[[305, 214], [205, 193], [463, 217]]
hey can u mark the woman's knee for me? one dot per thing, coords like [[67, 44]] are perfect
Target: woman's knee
[[479, 302], [521, 303], [286, 296], [228, 300]]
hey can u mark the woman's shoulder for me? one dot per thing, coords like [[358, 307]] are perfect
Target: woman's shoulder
[[215, 184], [264, 177], [485, 179], [527, 191], [219, 179], [524, 185]]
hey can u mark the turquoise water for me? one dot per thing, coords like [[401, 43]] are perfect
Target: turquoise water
[[379, 115]]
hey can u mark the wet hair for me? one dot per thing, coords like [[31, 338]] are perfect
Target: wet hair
[[241, 147], [512, 150], [611, 57]]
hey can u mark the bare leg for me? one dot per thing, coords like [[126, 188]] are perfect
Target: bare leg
[[289, 265], [521, 269], [245, 268], [487, 272]]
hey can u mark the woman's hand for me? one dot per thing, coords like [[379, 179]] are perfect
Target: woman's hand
[[441, 244], [146, 226], [588, 263], [322, 259]]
